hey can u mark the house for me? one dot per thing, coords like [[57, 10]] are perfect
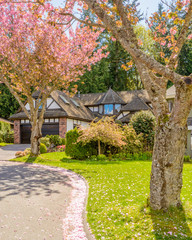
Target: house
[[64, 113]]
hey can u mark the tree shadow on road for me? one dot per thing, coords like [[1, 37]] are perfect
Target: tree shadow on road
[[171, 224], [27, 180]]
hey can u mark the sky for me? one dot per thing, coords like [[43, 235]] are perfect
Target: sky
[[149, 6], [146, 6]]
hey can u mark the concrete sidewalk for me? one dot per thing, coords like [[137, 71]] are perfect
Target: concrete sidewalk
[[8, 152]]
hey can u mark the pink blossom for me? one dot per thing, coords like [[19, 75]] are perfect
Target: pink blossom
[[173, 30], [163, 43]]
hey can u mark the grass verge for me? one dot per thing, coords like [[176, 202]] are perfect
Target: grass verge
[[118, 192], [4, 144]]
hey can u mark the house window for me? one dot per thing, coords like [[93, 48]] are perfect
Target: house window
[[108, 109], [101, 109], [118, 107], [91, 108], [95, 109]]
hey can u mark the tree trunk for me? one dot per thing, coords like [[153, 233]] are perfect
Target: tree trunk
[[167, 166], [99, 147], [35, 139]]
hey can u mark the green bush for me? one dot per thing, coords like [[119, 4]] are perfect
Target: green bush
[[78, 150], [93, 158], [1, 139], [6, 134], [56, 140], [8, 137], [43, 148], [144, 122], [187, 158], [45, 140], [101, 157], [4, 127], [62, 141], [132, 139]]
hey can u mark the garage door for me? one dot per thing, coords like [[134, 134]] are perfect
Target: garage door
[[47, 129]]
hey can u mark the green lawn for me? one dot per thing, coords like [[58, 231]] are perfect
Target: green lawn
[[4, 144], [117, 204]]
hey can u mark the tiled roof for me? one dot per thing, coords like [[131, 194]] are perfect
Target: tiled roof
[[110, 97], [48, 114], [70, 109], [135, 104], [131, 101], [92, 99]]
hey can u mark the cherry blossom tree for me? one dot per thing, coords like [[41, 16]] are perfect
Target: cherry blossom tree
[[118, 17], [37, 53]]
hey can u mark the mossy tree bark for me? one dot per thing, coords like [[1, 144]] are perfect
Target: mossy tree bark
[[167, 166]]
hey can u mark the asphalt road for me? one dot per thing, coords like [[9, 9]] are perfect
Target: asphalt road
[[9, 151], [33, 202]]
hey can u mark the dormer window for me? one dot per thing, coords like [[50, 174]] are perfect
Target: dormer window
[[108, 109], [118, 107]]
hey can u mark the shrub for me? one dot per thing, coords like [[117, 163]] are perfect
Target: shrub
[[8, 137], [43, 148], [62, 141], [4, 127], [27, 151], [93, 158], [144, 122], [104, 131], [133, 141], [19, 154], [45, 140], [61, 148], [78, 150], [56, 140], [187, 158], [101, 157], [1, 139]]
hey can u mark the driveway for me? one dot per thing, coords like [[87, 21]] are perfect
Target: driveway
[[33, 202], [8, 152], [40, 202]]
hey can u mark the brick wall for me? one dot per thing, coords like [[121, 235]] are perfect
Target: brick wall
[[17, 134], [62, 127]]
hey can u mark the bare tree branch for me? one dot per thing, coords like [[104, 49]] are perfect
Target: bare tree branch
[[125, 21], [82, 21]]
